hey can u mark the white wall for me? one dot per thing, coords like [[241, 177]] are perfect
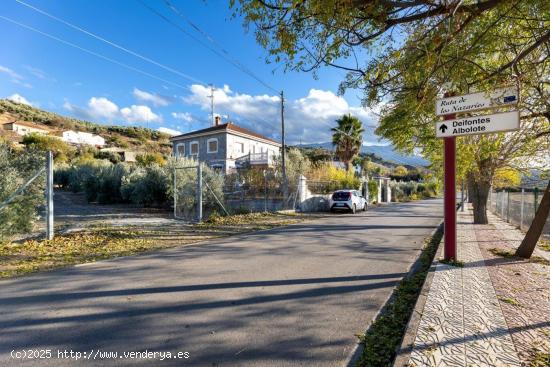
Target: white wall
[[24, 130], [74, 137]]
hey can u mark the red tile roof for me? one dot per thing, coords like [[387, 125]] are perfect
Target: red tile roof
[[229, 126]]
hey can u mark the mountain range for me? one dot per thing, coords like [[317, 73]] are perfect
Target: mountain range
[[385, 152]]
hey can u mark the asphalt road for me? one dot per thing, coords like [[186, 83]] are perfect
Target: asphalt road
[[291, 296]]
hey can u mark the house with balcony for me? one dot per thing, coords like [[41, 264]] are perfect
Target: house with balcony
[[226, 147]]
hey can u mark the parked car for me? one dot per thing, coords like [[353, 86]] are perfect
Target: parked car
[[348, 200]]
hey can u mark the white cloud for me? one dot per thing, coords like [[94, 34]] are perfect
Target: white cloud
[[184, 116], [15, 78], [139, 114], [101, 108], [308, 119], [155, 99], [23, 84], [39, 73], [12, 74], [19, 99], [169, 131]]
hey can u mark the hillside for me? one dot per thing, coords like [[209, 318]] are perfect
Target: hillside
[[382, 154], [133, 138]]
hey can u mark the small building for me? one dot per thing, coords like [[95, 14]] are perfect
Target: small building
[[82, 138], [226, 147], [125, 155], [24, 128]]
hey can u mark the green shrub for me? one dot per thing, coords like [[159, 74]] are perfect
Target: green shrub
[[412, 190], [146, 186], [109, 183], [187, 183], [62, 151], [17, 168], [150, 159]]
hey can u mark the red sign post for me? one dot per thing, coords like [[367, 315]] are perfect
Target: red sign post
[[448, 107], [449, 200]]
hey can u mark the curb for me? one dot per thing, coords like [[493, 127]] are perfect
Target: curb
[[358, 350]]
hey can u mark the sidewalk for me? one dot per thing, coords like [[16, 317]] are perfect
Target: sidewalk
[[493, 311]]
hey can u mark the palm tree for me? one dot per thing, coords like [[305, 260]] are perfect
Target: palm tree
[[347, 137]]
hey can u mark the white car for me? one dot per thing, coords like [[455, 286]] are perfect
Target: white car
[[348, 200]]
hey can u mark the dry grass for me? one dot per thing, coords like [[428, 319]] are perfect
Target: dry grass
[[104, 242]]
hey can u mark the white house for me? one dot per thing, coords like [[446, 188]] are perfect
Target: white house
[[23, 128], [227, 147], [82, 138]]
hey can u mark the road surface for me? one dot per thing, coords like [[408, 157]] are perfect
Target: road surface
[[293, 296]]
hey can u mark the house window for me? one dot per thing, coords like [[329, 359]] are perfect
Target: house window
[[180, 150], [239, 148], [194, 148], [212, 145]]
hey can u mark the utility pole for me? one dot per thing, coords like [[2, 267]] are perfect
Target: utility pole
[[283, 143], [211, 96]]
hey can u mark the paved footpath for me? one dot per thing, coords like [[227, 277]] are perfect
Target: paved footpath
[[293, 296], [470, 317]]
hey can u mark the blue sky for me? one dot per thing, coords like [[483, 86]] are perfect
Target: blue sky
[[49, 74]]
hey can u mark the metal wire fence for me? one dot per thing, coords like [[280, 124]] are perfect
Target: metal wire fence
[[517, 206], [245, 191], [258, 191]]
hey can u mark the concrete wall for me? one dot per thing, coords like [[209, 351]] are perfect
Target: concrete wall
[[309, 202], [255, 205], [315, 203]]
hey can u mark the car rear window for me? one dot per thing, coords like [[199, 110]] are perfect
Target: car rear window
[[341, 195]]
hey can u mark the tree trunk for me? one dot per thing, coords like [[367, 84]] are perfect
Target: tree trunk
[[535, 230], [470, 184], [479, 194]]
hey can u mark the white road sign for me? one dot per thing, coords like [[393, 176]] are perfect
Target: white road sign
[[485, 124], [477, 101]]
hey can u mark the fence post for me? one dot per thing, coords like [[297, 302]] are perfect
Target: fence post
[[521, 208], [367, 193], [199, 193], [302, 192], [379, 196], [175, 191], [49, 196], [503, 200], [508, 207], [265, 190]]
